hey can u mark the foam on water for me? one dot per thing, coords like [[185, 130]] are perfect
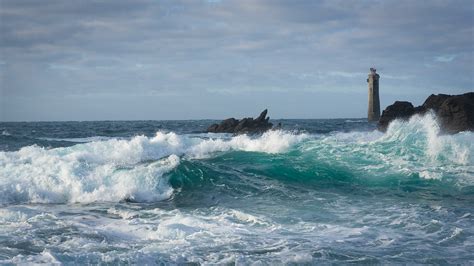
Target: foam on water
[[115, 169], [274, 221], [127, 233], [424, 132], [136, 168], [430, 154], [413, 147], [79, 140], [270, 142]]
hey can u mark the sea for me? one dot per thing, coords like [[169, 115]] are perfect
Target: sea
[[325, 191]]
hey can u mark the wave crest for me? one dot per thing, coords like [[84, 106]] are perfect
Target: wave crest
[[115, 169]]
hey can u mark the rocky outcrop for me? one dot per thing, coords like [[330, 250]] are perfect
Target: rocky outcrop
[[455, 112], [246, 125], [398, 110], [434, 102]]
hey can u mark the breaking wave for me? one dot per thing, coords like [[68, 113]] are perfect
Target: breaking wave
[[138, 169], [115, 170]]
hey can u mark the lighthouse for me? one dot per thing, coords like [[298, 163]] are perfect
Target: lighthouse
[[374, 101]]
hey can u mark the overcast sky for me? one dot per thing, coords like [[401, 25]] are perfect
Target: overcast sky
[[120, 60]]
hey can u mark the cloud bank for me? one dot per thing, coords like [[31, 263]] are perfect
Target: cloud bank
[[89, 60]]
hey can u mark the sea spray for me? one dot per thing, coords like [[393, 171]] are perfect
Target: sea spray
[[340, 193], [118, 169], [115, 169], [419, 140]]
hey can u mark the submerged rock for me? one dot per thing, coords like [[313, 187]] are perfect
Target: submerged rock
[[455, 112], [246, 125]]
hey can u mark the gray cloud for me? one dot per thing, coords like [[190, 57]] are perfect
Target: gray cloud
[[212, 49]]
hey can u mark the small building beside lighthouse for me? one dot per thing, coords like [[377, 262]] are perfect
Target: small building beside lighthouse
[[374, 100]]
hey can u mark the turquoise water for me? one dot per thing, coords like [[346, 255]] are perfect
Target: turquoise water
[[318, 191]]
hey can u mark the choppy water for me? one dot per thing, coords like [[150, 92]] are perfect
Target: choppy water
[[162, 192]]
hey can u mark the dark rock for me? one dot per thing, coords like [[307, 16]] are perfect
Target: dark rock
[[435, 101], [455, 112], [213, 128], [262, 116], [227, 125], [420, 109], [398, 110], [246, 125]]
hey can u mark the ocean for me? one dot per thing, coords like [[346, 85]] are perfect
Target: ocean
[[162, 192]]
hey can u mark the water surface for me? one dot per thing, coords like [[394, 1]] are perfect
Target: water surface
[[317, 191]]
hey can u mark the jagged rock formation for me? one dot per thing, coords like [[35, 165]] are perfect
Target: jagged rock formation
[[455, 112], [398, 110], [246, 125]]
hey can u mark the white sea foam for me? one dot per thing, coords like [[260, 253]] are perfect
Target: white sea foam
[[269, 142], [424, 131], [354, 121], [331, 227], [411, 148], [44, 257], [457, 232], [440, 154], [136, 168], [135, 233], [115, 169], [80, 140]]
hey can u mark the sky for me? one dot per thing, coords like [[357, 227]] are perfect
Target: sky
[[159, 60]]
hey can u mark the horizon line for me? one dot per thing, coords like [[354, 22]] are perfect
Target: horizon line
[[137, 120]]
